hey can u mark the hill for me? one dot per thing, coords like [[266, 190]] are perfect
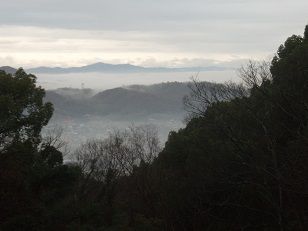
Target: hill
[[8, 69], [164, 98]]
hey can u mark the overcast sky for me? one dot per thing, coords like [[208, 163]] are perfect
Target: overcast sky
[[145, 32]]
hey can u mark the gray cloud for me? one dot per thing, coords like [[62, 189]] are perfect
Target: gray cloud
[[149, 14], [196, 29]]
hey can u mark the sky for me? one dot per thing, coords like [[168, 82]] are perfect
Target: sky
[[172, 33]]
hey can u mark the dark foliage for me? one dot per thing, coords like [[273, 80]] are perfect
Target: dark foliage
[[241, 165]]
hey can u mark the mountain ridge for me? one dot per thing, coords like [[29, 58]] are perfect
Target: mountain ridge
[[119, 68]]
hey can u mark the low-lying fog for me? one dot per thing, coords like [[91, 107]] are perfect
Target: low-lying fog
[[84, 109], [103, 81]]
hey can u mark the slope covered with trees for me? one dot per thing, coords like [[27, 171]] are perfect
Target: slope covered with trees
[[241, 164], [33, 180], [164, 98]]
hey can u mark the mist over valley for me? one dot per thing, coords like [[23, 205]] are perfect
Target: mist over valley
[[86, 113], [90, 104]]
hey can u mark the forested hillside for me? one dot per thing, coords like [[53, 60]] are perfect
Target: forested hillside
[[239, 164], [165, 98]]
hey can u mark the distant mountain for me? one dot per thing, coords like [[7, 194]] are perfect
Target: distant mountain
[[8, 69], [135, 100], [125, 101], [165, 98], [119, 68]]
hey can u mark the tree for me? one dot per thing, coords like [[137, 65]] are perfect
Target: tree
[[204, 94], [34, 181], [106, 162], [239, 162], [23, 112], [121, 151]]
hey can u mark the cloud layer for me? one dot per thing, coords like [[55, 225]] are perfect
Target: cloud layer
[[147, 32]]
